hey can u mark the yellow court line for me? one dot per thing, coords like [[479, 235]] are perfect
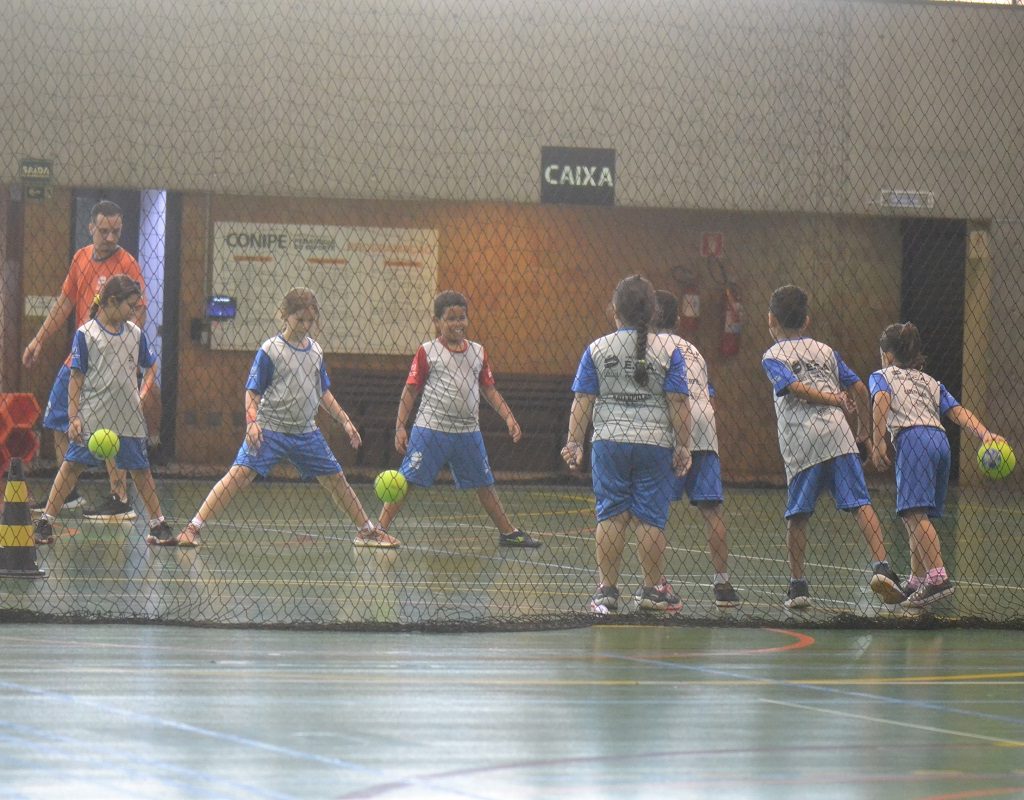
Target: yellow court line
[[980, 677]]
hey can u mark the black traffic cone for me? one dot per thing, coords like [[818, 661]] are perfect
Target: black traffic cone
[[17, 542]]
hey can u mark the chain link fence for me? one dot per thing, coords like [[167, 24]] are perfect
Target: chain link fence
[[528, 156]]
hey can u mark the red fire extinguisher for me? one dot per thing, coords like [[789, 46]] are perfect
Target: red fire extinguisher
[[689, 304], [732, 321]]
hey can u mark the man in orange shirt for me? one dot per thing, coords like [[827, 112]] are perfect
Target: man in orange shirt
[[90, 268]]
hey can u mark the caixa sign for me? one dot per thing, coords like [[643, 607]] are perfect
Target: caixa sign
[[582, 175]]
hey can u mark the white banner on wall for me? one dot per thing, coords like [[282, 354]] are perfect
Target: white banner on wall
[[375, 286]]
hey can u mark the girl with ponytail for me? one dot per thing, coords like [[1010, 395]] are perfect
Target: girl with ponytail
[[632, 385], [911, 405]]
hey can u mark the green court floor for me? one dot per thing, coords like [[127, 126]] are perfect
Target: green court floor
[[282, 554], [101, 711]]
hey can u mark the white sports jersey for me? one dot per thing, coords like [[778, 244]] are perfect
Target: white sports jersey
[[624, 411], [917, 398], [291, 382], [809, 433], [703, 432], [110, 363], [450, 381]]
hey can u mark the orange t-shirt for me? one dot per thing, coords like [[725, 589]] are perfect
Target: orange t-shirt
[[86, 278]]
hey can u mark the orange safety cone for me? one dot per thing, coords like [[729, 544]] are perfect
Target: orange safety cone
[[17, 543]]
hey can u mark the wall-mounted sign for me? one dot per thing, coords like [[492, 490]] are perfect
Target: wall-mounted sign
[[375, 286], [36, 170], [581, 175], [36, 177]]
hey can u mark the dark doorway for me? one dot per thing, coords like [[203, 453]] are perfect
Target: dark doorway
[[932, 297]]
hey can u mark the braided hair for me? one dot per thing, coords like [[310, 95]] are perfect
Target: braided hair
[[635, 305]]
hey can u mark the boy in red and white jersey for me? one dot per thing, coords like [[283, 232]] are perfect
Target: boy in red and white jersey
[[452, 374]]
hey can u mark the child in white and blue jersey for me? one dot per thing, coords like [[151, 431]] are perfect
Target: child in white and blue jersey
[[287, 384], [911, 405], [702, 484], [811, 382], [103, 393], [632, 385], [450, 375]]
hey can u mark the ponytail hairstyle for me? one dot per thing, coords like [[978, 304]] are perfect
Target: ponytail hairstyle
[[636, 304], [904, 342], [117, 288], [298, 299], [668, 311]]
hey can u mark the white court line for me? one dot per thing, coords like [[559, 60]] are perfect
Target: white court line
[[866, 718]]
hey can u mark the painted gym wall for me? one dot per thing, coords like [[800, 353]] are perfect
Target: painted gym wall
[[792, 104], [539, 280]]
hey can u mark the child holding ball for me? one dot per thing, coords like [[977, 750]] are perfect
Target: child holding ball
[[911, 404], [103, 393], [452, 374], [287, 384]]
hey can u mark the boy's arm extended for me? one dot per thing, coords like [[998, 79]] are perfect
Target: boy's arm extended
[[862, 401], [333, 407], [405, 406], [809, 394], [497, 402]]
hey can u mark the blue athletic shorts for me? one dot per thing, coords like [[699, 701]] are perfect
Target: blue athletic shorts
[[56, 416], [637, 478], [131, 455], [843, 476], [309, 453], [922, 470], [464, 453], [703, 483]]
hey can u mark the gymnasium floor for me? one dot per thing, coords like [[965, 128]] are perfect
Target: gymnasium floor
[[282, 554], [610, 711]]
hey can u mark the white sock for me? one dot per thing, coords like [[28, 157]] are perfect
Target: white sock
[[197, 523], [721, 577], [155, 522]]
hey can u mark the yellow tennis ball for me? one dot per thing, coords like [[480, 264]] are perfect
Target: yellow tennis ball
[[104, 444], [996, 459], [390, 486]]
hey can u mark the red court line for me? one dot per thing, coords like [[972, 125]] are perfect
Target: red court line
[[403, 264], [802, 640], [339, 262]]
